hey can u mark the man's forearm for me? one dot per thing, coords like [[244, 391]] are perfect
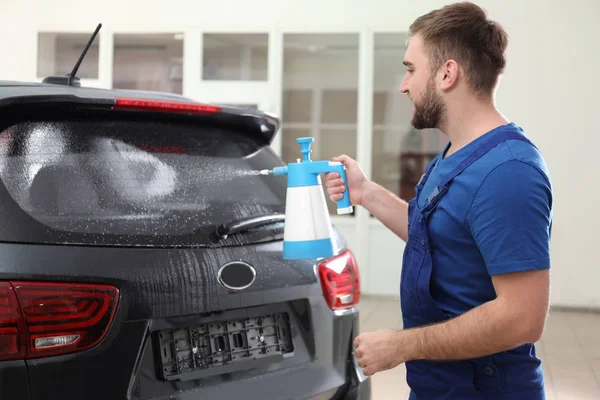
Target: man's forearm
[[490, 328], [387, 208]]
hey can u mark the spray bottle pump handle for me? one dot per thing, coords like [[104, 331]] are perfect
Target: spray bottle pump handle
[[305, 143]]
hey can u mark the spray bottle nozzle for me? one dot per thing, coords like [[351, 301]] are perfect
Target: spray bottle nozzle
[[277, 171]]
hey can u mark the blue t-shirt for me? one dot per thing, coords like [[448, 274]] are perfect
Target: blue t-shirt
[[494, 219]]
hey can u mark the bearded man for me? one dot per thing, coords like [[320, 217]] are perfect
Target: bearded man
[[475, 280]]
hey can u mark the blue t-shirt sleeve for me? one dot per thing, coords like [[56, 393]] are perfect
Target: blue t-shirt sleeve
[[510, 219]]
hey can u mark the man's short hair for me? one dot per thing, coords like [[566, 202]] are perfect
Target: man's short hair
[[463, 32]]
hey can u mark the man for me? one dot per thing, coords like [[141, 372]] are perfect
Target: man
[[475, 274]]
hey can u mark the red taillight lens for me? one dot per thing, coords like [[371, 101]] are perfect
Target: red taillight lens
[[57, 318], [164, 106], [340, 281], [12, 342], [164, 149]]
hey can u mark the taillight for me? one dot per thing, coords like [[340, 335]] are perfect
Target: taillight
[[48, 319], [164, 106], [12, 343], [340, 281]]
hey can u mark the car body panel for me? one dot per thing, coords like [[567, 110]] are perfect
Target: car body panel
[[14, 380]]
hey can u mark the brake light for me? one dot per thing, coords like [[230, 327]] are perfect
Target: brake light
[[340, 281], [164, 149], [164, 106], [47, 319], [12, 344]]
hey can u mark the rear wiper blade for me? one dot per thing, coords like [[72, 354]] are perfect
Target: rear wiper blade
[[244, 224]]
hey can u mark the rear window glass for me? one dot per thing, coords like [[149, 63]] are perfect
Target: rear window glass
[[136, 177]]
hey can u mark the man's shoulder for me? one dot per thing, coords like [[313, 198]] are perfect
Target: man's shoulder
[[527, 154], [512, 167], [512, 156], [514, 172]]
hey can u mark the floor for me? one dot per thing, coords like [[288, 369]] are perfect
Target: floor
[[569, 348]]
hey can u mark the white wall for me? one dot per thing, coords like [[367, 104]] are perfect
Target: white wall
[[550, 88]]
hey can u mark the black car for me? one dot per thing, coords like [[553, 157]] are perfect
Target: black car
[[141, 256]]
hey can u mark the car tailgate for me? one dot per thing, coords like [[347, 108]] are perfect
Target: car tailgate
[[171, 298]]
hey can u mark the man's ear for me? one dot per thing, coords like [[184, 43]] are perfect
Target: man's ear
[[449, 73]]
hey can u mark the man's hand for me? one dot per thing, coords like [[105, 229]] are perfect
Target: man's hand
[[380, 202], [357, 182], [380, 350]]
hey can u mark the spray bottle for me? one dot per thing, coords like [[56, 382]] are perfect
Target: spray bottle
[[308, 231]]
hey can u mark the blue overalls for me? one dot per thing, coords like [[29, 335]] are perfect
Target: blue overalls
[[508, 375]]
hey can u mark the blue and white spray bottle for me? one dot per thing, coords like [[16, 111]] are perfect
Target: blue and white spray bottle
[[308, 232]]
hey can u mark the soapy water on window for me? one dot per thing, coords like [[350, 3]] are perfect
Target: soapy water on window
[[98, 183]]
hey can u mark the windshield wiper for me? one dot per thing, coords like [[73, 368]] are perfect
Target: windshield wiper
[[244, 224]]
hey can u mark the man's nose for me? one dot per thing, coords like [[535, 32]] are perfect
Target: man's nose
[[403, 85]]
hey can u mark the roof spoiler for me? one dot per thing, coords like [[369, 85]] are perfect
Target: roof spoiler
[[262, 125]]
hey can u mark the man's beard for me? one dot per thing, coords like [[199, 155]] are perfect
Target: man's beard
[[429, 111]]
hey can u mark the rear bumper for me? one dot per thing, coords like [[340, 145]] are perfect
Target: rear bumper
[[68, 379], [14, 382], [124, 365], [360, 385], [360, 391]]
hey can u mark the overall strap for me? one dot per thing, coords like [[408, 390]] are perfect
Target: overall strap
[[480, 150], [427, 172]]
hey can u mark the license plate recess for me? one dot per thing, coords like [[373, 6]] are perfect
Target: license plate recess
[[218, 347]]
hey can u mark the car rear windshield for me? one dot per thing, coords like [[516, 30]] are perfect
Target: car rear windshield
[[137, 181]]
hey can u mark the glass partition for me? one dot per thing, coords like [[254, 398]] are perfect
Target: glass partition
[[320, 95], [58, 53], [235, 57], [400, 153], [148, 62]]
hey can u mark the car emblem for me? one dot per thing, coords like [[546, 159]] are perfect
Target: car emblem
[[237, 275]]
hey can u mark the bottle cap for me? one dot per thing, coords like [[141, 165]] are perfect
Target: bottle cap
[[305, 143]]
